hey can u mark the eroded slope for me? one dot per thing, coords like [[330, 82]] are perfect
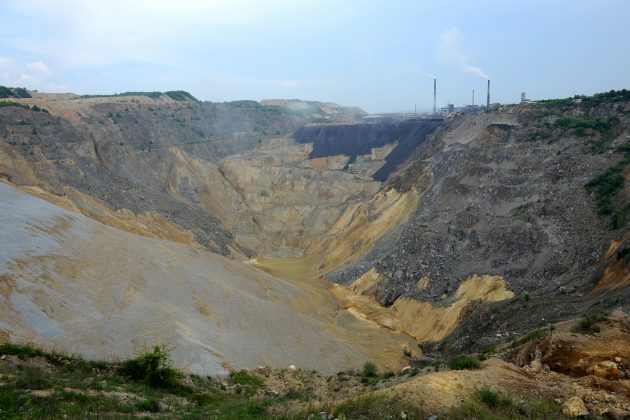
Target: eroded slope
[[73, 284]]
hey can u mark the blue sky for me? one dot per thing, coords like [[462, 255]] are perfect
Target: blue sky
[[379, 55]]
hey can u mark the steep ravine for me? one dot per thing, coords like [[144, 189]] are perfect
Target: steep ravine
[[449, 232], [131, 206]]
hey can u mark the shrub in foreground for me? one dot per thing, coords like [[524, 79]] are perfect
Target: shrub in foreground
[[370, 369], [154, 368]]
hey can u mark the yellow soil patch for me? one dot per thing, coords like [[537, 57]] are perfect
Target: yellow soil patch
[[12, 163], [423, 283], [384, 345], [292, 268], [360, 226], [614, 277], [488, 288], [421, 320], [4, 336], [435, 391], [616, 274], [366, 284], [612, 248], [328, 162]]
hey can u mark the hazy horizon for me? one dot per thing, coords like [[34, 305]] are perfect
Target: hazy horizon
[[380, 56]]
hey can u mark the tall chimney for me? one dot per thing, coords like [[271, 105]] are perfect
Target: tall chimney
[[488, 100], [473, 102], [434, 96]]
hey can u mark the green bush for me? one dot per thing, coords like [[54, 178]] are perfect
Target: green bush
[[7, 92], [531, 336], [387, 375], [588, 322], [607, 185], [370, 369], [466, 362], [154, 368], [151, 405], [488, 397], [597, 99], [180, 95], [11, 103]]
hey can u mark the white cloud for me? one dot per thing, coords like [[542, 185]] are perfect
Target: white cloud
[[448, 52], [33, 75], [6, 62], [95, 33], [39, 67]]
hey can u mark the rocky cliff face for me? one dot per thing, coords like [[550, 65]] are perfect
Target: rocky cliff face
[[135, 152], [509, 197]]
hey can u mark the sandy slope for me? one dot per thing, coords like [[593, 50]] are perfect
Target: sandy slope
[[71, 283]]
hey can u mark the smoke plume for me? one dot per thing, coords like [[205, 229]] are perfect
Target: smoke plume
[[448, 52]]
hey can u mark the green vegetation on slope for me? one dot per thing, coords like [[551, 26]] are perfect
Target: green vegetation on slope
[[36, 384], [7, 92], [606, 187], [177, 95], [587, 324], [60, 386], [466, 362], [33, 108], [591, 101], [597, 123], [488, 404]]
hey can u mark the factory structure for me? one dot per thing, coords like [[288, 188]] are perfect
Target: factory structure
[[468, 109]]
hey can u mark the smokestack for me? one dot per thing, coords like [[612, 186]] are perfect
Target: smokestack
[[473, 102], [434, 96], [488, 100]]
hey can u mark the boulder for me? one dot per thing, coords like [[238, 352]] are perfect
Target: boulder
[[606, 369], [574, 407]]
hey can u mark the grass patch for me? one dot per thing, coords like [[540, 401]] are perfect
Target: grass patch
[[245, 383], [598, 124], [488, 397], [587, 324], [466, 362], [488, 404], [531, 336], [20, 350], [30, 377], [375, 407]]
